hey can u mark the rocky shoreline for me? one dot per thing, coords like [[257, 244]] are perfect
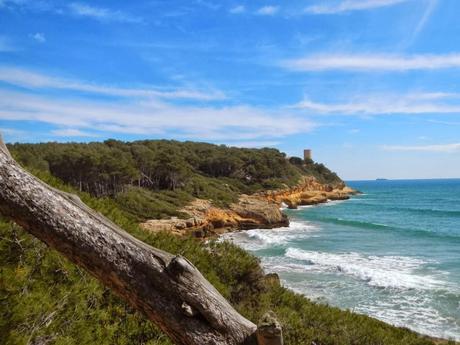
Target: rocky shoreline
[[257, 211]]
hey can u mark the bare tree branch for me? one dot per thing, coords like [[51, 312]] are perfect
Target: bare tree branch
[[168, 289]]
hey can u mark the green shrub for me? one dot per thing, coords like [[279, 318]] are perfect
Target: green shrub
[[44, 297]]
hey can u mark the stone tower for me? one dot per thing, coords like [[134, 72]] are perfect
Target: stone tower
[[306, 154]]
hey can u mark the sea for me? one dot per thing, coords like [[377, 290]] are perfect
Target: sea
[[392, 253]]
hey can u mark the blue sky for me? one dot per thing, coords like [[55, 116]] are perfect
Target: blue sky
[[372, 86]]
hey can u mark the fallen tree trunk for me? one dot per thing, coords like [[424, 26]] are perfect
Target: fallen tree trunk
[[168, 289]]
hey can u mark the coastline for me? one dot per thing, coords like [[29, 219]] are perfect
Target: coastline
[[252, 243], [262, 210]]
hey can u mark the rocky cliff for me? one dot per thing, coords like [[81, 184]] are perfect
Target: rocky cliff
[[260, 210], [308, 192]]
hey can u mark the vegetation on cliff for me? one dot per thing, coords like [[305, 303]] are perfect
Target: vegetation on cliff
[[46, 300], [154, 178]]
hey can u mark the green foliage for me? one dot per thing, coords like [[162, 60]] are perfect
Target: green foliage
[[321, 172], [155, 178], [145, 204], [45, 298]]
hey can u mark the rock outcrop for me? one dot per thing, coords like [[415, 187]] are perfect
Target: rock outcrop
[[260, 210], [308, 192], [207, 220]]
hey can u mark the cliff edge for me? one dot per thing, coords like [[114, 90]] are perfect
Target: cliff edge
[[255, 211]]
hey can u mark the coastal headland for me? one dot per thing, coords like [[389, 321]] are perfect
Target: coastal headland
[[210, 189], [259, 210]]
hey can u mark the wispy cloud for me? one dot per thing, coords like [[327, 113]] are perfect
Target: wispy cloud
[[442, 148], [143, 111], [33, 80], [446, 123], [13, 134], [350, 5], [431, 6], [252, 144], [268, 10], [10, 131], [5, 3], [242, 123], [424, 19], [238, 9], [209, 4], [71, 132], [39, 37], [103, 14], [78, 9], [372, 62], [414, 103]]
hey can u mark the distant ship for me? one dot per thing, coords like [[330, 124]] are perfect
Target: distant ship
[[381, 179]]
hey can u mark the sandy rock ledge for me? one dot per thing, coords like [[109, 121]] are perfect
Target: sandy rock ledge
[[257, 211]]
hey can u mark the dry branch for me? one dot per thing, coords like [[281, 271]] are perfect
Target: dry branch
[[168, 289]]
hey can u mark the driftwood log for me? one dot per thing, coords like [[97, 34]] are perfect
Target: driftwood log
[[168, 289]]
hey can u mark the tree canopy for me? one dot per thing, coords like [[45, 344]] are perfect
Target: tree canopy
[[153, 178]]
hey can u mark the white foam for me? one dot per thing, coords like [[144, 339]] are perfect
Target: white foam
[[333, 202], [283, 206], [263, 238], [416, 312], [379, 271]]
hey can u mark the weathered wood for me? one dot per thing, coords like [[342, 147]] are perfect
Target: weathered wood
[[168, 289]]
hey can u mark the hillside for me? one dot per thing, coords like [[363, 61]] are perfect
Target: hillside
[[154, 179], [46, 300]]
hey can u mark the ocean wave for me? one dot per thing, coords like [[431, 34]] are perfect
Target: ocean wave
[[380, 226], [379, 271], [409, 304], [257, 239], [355, 223], [431, 211], [417, 312]]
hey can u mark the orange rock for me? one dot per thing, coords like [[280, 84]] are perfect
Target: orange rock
[[260, 210]]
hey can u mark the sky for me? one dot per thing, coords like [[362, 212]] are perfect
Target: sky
[[371, 86]]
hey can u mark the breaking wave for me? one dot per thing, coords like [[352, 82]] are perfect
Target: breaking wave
[[378, 271]]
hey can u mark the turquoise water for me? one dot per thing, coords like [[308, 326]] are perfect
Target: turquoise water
[[392, 253]]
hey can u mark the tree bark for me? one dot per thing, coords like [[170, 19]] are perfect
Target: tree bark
[[168, 289]]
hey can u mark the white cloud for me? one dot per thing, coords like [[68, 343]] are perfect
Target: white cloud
[[372, 62], [414, 103], [13, 135], [446, 123], [103, 14], [253, 144], [267, 10], [148, 118], [431, 6], [39, 37], [238, 9], [11, 131], [4, 3], [73, 8], [442, 148], [33, 80], [350, 5], [70, 132]]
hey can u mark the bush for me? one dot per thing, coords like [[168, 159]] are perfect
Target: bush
[[45, 298]]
